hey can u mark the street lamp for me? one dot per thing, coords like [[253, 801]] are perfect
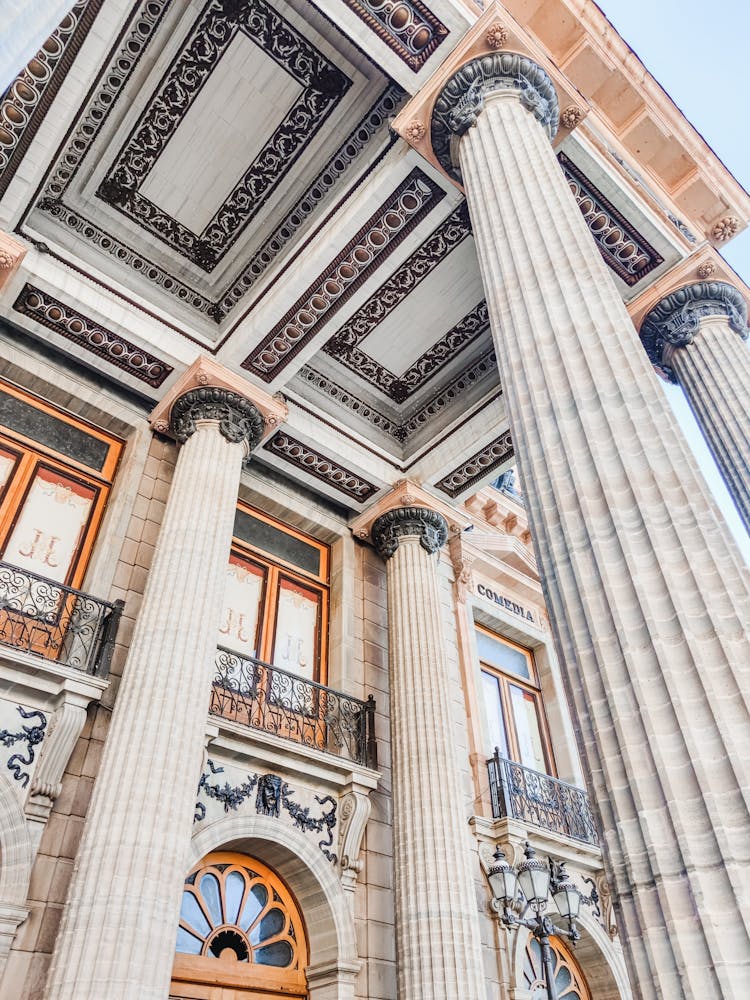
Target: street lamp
[[531, 886]]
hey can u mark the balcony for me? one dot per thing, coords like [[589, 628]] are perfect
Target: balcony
[[55, 622], [519, 793], [263, 697]]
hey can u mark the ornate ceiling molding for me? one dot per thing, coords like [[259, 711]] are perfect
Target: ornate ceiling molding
[[461, 99], [30, 96], [111, 82], [407, 27], [323, 87], [72, 325], [400, 388], [364, 253], [478, 466], [347, 399], [325, 469], [407, 276], [623, 248]]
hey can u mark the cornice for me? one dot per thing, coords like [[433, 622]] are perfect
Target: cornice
[[676, 319]]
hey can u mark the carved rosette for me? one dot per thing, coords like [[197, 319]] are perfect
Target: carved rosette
[[239, 420], [430, 527], [676, 319], [461, 100]]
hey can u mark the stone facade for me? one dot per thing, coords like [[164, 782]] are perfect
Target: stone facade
[[271, 591]]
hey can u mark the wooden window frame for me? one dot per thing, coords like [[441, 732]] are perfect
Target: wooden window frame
[[277, 569], [531, 686], [33, 455]]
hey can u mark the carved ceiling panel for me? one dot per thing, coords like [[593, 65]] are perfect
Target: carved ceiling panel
[[291, 111]]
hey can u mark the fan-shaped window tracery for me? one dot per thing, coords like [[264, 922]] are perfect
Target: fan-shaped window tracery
[[568, 977]]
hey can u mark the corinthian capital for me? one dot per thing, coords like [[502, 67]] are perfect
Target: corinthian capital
[[427, 525], [676, 319], [239, 420], [462, 99]]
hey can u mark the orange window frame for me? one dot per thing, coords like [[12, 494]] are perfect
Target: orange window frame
[[276, 570], [31, 456], [505, 680]]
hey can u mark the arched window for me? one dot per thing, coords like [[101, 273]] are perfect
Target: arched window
[[569, 979], [240, 931]]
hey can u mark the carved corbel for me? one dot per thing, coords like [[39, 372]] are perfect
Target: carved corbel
[[355, 811], [63, 732], [462, 567]]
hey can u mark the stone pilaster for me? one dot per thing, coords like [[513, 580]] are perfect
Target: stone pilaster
[[437, 926], [646, 589], [698, 333], [118, 934]]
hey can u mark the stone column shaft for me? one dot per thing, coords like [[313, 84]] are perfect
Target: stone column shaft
[[118, 935], [648, 595], [437, 926]]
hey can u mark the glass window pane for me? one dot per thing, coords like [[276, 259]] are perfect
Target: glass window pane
[[50, 527], [526, 719], [493, 651], [278, 954], [58, 435], [268, 538], [297, 617], [212, 895], [193, 915], [8, 461], [271, 925], [234, 888], [256, 900], [187, 944], [494, 709], [243, 599]]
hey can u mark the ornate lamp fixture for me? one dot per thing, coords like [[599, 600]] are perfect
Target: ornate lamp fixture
[[527, 890]]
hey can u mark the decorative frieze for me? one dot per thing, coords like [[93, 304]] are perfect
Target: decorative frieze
[[475, 468], [624, 249], [239, 419], [323, 468], [30, 96], [374, 242], [272, 794], [461, 100], [322, 83], [428, 525], [346, 398], [408, 27], [84, 332]]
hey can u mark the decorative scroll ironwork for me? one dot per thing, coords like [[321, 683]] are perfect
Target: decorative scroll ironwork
[[31, 735], [272, 794], [48, 619], [518, 792], [264, 697]]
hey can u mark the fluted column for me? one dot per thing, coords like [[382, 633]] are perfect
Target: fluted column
[[437, 927], [698, 334], [648, 595], [118, 934]]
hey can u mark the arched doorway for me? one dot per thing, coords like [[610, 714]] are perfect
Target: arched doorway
[[569, 979], [241, 934]]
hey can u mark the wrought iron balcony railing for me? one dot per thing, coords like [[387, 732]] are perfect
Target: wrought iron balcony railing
[[518, 792], [262, 696], [48, 619]]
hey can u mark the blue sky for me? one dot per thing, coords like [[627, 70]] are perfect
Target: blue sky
[[699, 53]]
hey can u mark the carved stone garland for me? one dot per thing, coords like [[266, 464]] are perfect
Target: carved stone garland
[[239, 420], [462, 98], [428, 525]]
